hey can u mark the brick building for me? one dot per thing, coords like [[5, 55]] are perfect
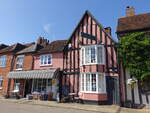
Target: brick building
[[23, 62], [7, 58], [36, 68]]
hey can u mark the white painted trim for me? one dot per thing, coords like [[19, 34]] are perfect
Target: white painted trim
[[19, 56], [96, 55], [47, 60], [97, 83], [1, 65], [18, 69], [92, 92]]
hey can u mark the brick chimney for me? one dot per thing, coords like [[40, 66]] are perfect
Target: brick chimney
[[108, 30], [130, 11], [42, 41]]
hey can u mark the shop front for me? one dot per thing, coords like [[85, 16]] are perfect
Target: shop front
[[35, 84]]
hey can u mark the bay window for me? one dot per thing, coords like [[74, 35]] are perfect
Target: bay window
[[45, 60], [2, 61], [19, 63], [93, 54], [93, 83]]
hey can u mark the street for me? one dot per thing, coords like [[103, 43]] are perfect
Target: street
[[8, 107]]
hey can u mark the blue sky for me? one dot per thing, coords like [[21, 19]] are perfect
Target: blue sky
[[25, 20]]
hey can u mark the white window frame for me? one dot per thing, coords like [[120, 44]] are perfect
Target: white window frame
[[1, 83], [102, 83], [83, 56], [46, 60], [19, 63], [16, 85], [3, 61]]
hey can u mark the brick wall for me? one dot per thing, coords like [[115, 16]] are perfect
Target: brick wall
[[27, 63], [57, 61], [4, 72]]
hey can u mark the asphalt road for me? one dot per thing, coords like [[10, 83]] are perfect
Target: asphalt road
[[8, 107]]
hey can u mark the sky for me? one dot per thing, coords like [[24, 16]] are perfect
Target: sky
[[23, 21]]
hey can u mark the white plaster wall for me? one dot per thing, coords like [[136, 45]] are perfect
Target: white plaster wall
[[144, 99], [136, 92], [128, 88]]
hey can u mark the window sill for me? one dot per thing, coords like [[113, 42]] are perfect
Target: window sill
[[2, 66], [93, 92], [92, 64], [19, 69], [45, 65]]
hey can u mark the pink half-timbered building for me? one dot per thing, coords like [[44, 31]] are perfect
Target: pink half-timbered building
[[90, 67]]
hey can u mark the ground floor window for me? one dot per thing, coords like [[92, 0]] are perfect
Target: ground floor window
[[1, 83], [42, 85], [93, 82], [16, 85]]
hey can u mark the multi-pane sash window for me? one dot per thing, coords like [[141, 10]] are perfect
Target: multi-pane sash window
[[46, 60], [2, 61], [42, 85], [93, 83], [19, 63], [93, 54]]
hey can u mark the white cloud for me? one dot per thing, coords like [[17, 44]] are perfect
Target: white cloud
[[47, 28]]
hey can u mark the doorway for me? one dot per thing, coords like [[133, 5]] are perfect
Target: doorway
[[112, 90], [28, 87]]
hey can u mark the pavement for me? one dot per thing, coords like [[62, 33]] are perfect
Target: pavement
[[73, 106], [8, 107]]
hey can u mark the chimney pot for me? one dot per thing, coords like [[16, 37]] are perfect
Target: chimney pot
[[42, 41], [108, 30]]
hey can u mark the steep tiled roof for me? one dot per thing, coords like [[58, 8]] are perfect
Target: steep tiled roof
[[97, 22], [55, 46], [3, 46], [30, 49], [13, 48], [29, 44], [133, 23]]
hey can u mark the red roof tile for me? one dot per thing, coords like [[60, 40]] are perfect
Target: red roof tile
[[55, 46], [133, 23]]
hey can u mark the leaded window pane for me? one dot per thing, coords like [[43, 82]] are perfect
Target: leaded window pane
[[93, 84], [93, 55], [87, 82]]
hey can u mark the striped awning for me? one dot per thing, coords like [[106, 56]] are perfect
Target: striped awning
[[34, 74]]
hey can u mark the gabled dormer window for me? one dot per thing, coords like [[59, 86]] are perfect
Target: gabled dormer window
[[2, 61], [92, 54], [19, 63], [46, 60]]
